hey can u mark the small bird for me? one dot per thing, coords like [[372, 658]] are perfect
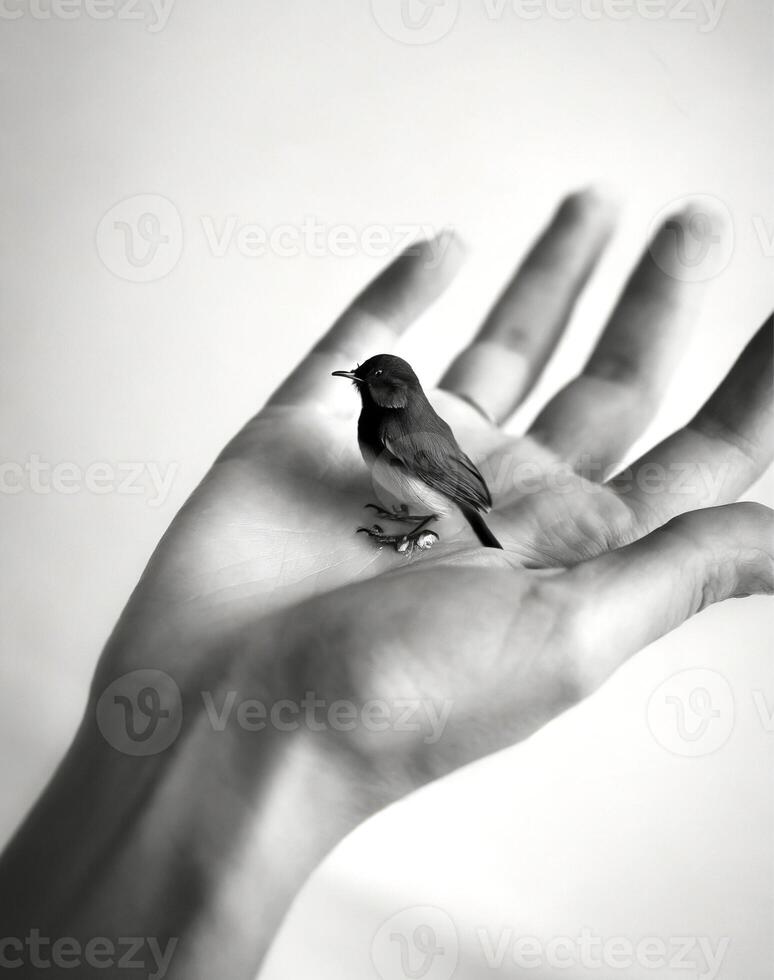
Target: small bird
[[413, 456]]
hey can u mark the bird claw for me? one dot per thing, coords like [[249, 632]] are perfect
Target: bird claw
[[404, 543], [426, 540], [377, 533]]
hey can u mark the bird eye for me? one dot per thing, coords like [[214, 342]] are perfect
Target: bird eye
[[377, 372]]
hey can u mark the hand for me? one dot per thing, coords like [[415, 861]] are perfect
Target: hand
[[261, 588], [273, 521], [483, 646], [598, 560]]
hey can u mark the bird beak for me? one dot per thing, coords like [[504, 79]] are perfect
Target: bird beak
[[345, 374]]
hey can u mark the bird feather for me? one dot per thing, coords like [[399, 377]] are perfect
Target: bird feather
[[430, 452]]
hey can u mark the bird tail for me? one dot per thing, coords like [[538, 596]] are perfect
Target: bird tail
[[482, 532]]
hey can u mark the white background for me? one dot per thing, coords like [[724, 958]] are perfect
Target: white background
[[272, 112]]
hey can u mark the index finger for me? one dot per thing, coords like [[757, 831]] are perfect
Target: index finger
[[374, 320]]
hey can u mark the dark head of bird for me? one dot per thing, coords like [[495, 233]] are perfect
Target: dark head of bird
[[384, 380]]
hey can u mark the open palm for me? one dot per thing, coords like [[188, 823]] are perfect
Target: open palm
[[272, 523]]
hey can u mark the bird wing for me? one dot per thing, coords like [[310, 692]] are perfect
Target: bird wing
[[434, 455]]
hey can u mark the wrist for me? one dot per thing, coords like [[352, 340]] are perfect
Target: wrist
[[204, 841]]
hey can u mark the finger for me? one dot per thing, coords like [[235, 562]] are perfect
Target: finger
[[510, 350], [600, 414], [374, 320], [719, 454], [628, 598]]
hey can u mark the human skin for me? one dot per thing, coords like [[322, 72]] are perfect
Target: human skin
[[260, 587]]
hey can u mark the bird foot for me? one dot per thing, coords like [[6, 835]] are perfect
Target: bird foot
[[398, 513], [404, 543]]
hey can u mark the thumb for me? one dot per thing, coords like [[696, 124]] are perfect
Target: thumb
[[630, 597]]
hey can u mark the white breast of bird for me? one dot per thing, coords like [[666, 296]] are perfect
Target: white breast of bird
[[394, 484]]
